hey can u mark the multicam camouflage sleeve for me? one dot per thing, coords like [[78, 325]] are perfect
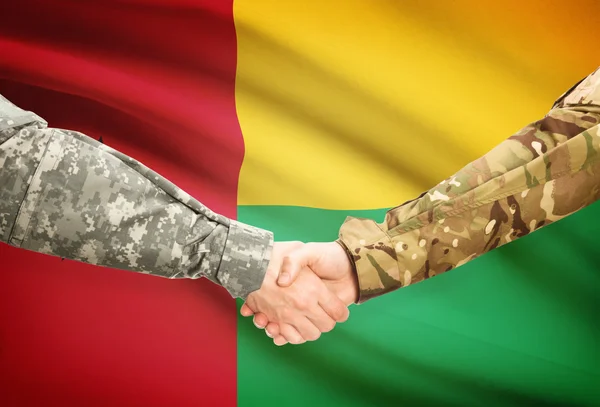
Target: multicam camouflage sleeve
[[65, 194], [546, 171]]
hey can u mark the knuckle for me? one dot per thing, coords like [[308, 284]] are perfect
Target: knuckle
[[258, 323], [297, 341], [301, 303], [293, 337], [329, 325], [339, 313]]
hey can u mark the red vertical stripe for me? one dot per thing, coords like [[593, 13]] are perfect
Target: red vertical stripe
[[155, 79]]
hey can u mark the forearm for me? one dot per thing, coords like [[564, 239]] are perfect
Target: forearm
[[538, 176], [65, 194]]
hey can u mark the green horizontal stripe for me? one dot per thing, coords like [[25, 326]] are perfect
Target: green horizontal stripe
[[518, 326]]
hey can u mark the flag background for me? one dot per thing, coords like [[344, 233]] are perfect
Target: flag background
[[295, 115], [156, 80], [354, 106]]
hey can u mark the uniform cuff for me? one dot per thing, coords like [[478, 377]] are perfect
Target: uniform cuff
[[373, 255], [245, 259]]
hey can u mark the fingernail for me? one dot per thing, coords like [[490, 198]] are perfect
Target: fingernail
[[284, 277], [268, 334]]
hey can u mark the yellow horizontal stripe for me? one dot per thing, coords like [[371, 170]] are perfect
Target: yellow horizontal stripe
[[356, 104]]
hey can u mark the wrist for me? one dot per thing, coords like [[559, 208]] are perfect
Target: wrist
[[350, 293], [245, 259]]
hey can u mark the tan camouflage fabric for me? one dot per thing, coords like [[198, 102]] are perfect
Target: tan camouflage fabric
[[65, 194], [548, 170]]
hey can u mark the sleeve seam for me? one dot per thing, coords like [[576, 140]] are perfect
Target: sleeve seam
[[494, 198], [12, 240]]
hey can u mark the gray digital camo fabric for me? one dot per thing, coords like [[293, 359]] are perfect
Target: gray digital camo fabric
[[65, 194]]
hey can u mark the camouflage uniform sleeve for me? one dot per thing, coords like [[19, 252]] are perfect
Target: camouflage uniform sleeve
[[541, 174], [65, 194]]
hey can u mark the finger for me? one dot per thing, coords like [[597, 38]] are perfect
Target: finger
[[261, 320], [292, 264], [246, 311], [291, 334], [280, 340], [322, 321], [334, 307], [306, 329], [272, 330]]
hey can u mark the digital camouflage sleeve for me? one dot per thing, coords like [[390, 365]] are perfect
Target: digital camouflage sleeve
[[543, 173], [65, 194]]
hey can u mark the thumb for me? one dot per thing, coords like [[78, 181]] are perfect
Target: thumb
[[292, 264]]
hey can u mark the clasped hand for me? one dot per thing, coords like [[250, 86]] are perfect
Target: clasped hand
[[307, 290]]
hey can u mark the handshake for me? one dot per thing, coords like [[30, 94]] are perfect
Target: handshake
[[306, 290]]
